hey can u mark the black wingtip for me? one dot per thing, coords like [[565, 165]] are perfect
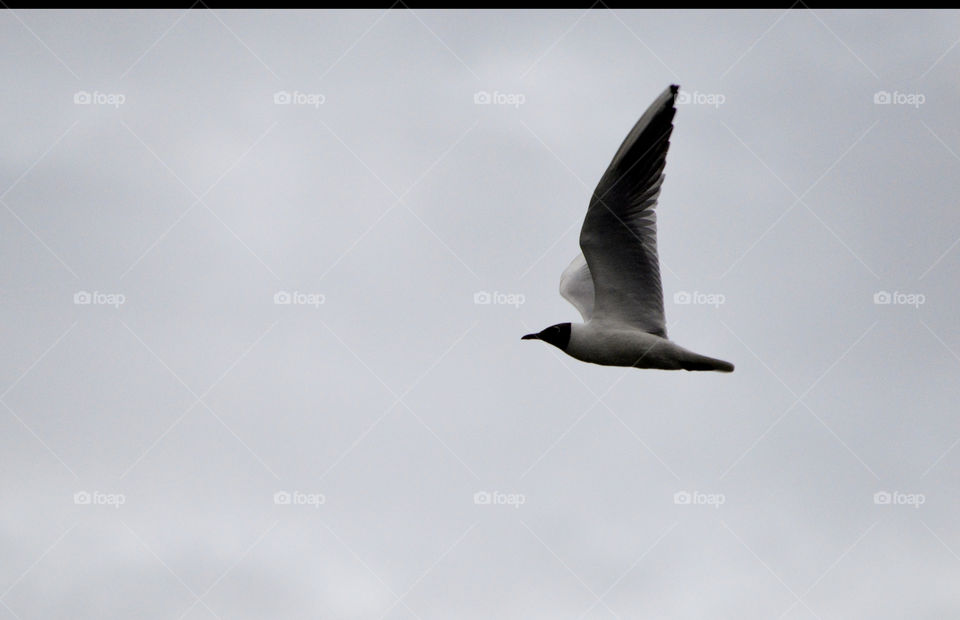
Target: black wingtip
[[674, 88]]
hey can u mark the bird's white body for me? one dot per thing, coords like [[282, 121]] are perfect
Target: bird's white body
[[615, 282], [613, 344]]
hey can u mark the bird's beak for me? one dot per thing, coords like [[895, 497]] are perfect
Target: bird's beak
[[531, 337]]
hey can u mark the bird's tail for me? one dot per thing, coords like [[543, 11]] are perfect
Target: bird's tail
[[694, 361]]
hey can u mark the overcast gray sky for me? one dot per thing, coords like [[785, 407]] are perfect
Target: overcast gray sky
[[179, 443]]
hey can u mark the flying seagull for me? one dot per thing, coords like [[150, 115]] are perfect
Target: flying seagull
[[615, 282]]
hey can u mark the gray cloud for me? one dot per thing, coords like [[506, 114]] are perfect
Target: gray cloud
[[382, 199]]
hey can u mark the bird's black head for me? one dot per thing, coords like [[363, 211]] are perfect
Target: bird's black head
[[557, 335]]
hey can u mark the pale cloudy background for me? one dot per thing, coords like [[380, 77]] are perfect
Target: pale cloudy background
[[794, 195]]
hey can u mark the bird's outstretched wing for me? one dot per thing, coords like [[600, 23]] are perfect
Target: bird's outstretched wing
[[576, 286], [619, 234]]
